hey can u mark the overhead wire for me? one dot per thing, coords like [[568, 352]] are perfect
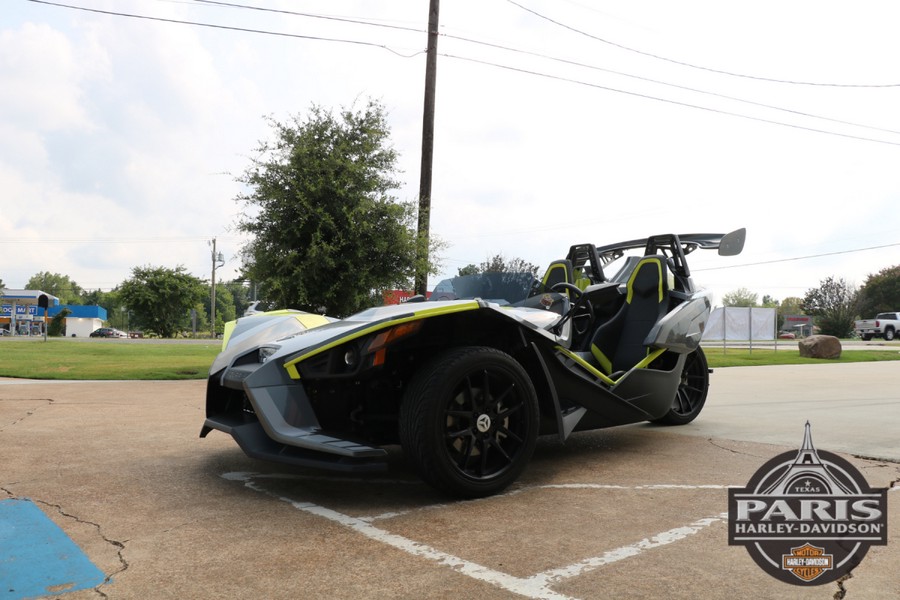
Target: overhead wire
[[227, 27], [670, 101], [511, 68], [668, 84], [796, 258], [309, 15], [691, 65]]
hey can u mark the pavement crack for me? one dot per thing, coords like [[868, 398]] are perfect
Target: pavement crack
[[842, 591], [48, 401], [119, 546], [883, 462], [732, 450]]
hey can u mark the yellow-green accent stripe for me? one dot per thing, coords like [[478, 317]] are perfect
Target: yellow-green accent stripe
[[436, 311], [599, 374], [586, 365], [605, 363], [651, 356]]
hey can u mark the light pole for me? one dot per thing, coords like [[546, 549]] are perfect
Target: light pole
[[217, 261]]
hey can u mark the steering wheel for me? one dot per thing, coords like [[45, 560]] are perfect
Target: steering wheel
[[573, 289], [581, 311]]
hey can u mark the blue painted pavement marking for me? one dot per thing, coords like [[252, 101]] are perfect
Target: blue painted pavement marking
[[37, 558]]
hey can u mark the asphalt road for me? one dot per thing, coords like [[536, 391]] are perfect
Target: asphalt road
[[633, 512]]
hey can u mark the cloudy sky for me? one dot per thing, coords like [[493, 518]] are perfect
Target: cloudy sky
[[557, 122]]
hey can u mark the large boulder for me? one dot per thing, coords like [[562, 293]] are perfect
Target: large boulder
[[820, 346]]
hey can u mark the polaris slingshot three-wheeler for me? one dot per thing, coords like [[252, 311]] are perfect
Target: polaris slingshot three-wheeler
[[466, 381]]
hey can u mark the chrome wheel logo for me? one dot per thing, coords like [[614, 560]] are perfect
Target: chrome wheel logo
[[807, 517], [483, 423]]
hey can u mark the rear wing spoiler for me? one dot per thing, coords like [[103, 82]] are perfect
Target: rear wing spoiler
[[671, 245], [728, 244]]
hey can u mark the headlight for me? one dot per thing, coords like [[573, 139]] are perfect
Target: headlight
[[265, 352]]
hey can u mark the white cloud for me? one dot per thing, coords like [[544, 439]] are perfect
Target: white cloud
[[133, 129]]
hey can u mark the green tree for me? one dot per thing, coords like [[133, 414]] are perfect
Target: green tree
[[57, 285], [740, 297], [116, 311], [834, 304], [225, 309], [241, 294], [201, 310], [160, 299], [58, 323], [789, 306], [500, 264], [326, 232], [880, 292]]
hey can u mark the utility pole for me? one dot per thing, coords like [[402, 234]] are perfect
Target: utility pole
[[427, 150], [217, 261]]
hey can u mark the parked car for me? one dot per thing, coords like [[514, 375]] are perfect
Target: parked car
[[108, 332], [884, 325], [607, 337]]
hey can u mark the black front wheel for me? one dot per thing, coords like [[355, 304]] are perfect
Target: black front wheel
[[469, 421], [692, 389]]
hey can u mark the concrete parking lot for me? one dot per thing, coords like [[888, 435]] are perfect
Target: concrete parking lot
[[633, 512]]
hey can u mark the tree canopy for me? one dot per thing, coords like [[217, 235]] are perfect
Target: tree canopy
[[57, 285], [161, 299], [500, 264], [834, 304], [327, 234], [740, 297], [880, 292]]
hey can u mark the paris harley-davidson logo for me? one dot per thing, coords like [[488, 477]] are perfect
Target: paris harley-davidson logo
[[807, 517]]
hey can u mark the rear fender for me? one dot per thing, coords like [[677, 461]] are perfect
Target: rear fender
[[681, 329]]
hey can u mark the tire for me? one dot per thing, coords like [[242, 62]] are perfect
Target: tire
[[469, 421], [692, 390], [888, 335], [867, 336]]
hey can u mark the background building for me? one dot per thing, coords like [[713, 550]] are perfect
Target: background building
[[20, 314]]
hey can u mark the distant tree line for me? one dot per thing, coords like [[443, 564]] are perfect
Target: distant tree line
[[835, 304]]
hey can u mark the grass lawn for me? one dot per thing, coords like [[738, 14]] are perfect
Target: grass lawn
[[104, 359], [125, 359], [742, 357]]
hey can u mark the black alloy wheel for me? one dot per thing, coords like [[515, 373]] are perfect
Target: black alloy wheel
[[469, 421], [692, 390]]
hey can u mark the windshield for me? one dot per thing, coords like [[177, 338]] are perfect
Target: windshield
[[503, 288]]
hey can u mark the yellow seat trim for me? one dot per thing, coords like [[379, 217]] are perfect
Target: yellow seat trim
[[634, 273]]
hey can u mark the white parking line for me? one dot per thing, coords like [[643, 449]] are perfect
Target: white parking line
[[536, 586], [552, 576]]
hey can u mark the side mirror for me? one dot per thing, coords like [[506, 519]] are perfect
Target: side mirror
[[732, 243]]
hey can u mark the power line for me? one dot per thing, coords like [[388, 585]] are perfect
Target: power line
[[517, 69], [311, 15], [547, 57], [693, 66], [227, 27], [782, 260], [665, 83], [675, 102]]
